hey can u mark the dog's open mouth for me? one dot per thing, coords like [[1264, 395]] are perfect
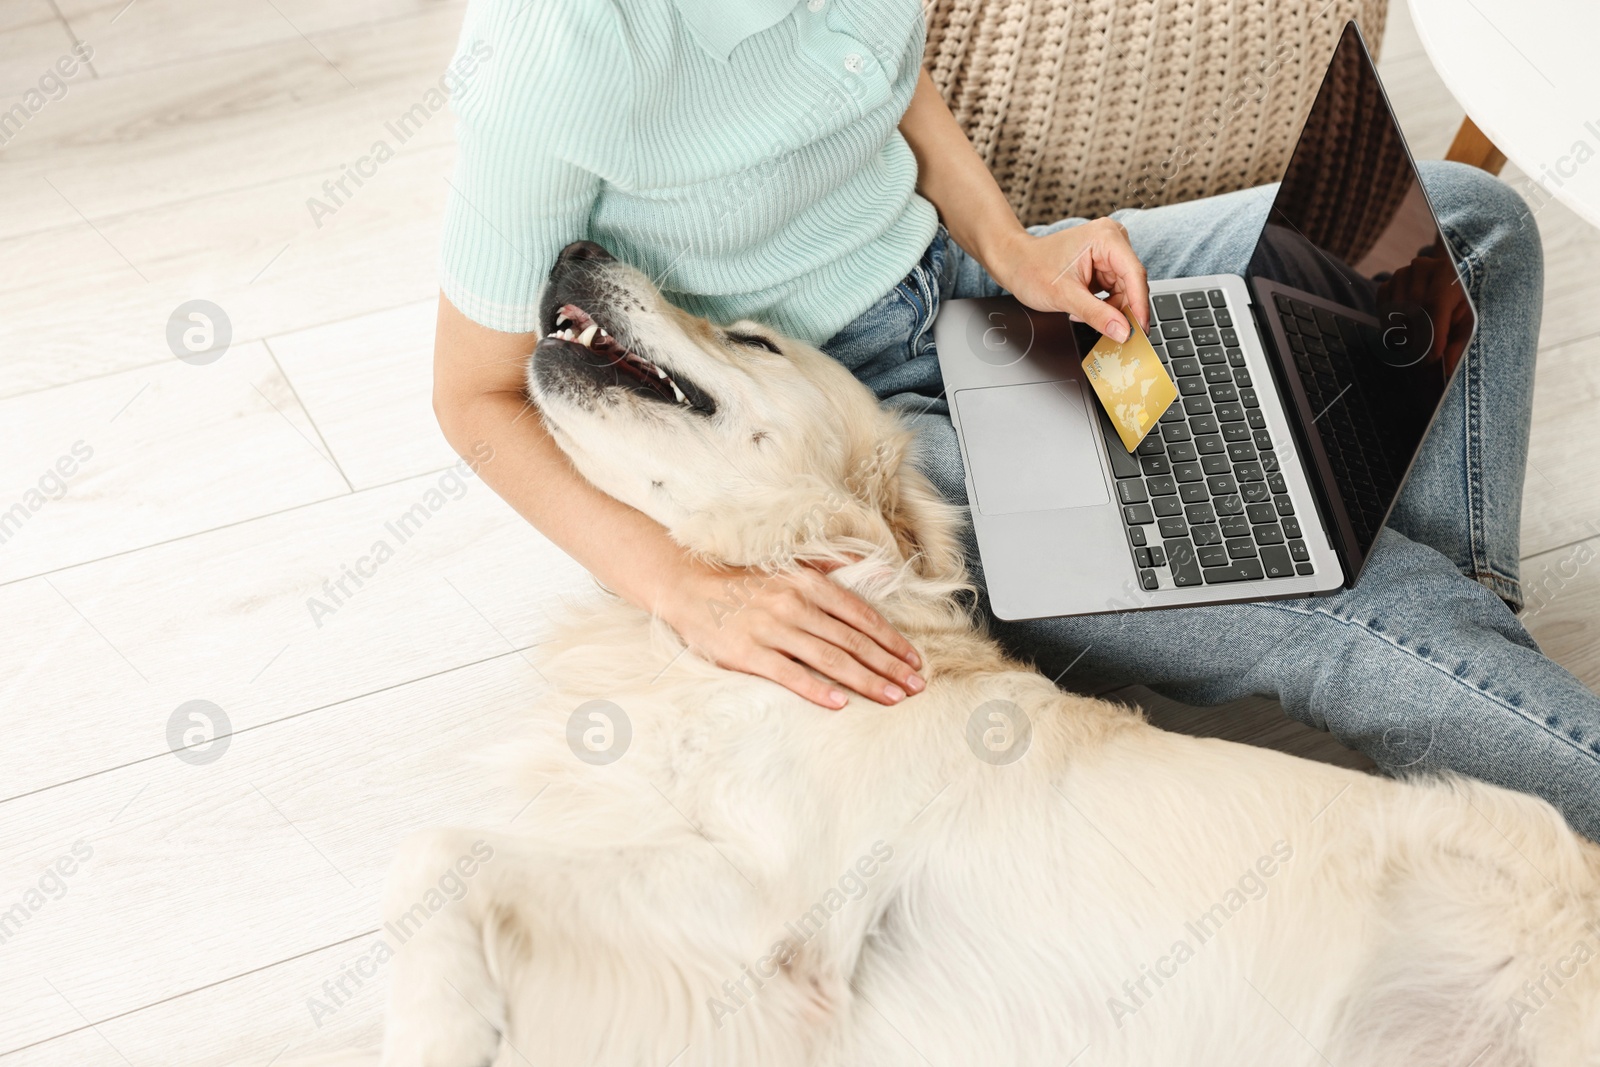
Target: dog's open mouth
[[619, 364]]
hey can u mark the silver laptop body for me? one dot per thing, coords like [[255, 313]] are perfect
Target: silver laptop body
[[1068, 525]]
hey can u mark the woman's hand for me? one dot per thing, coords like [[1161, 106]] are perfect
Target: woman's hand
[[1062, 271], [1058, 272], [771, 625]]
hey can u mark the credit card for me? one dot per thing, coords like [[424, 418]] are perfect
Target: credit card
[[1133, 386]]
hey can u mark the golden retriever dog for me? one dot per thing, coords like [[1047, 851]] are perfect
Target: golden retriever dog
[[718, 872]]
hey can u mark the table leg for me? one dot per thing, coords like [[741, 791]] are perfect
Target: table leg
[[1471, 146]]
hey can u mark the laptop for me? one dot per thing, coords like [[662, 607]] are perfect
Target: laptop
[[1305, 389]]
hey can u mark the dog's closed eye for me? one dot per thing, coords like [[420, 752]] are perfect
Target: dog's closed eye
[[752, 340]]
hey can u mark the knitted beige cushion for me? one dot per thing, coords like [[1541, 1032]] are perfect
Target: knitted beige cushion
[[1081, 107]]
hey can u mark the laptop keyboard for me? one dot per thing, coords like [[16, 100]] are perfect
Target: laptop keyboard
[[1202, 497], [1321, 342]]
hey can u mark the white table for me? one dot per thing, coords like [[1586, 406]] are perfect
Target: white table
[[1528, 74]]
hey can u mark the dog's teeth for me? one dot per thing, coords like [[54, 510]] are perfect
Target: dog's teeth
[[678, 392], [587, 336], [604, 334], [566, 335], [662, 374], [561, 320]]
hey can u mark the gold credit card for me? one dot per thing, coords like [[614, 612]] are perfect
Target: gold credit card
[[1130, 381]]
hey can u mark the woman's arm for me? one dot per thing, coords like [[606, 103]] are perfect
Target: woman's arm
[[1058, 272], [801, 619]]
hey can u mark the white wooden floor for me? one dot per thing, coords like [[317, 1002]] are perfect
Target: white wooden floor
[[207, 503]]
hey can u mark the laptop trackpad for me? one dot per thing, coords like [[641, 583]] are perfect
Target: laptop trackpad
[[1029, 448]]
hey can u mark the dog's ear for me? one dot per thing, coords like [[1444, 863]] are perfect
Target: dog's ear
[[922, 524]]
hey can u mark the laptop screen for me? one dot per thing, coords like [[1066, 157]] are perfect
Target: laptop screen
[[1356, 289]]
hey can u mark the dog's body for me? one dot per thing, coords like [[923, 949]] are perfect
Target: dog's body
[[993, 872]]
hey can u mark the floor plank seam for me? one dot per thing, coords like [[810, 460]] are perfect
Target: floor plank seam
[[1553, 346], [518, 651], [194, 533], [309, 417], [237, 342], [189, 992], [307, 38], [196, 198], [225, 526], [72, 35], [1568, 546]]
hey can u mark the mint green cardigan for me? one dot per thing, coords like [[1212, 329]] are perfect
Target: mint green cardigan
[[744, 153]]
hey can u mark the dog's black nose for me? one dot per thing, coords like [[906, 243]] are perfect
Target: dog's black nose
[[585, 250]]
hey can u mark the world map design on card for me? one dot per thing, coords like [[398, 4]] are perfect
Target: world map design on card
[[1130, 381]]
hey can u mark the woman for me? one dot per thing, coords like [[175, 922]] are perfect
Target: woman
[[791, 162]]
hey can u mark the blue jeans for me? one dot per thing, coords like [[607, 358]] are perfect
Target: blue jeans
[[1422, 665]]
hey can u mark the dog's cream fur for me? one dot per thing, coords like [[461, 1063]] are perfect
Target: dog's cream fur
[[758, 882]]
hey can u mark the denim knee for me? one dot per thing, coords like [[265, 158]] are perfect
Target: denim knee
[[1485, 215]]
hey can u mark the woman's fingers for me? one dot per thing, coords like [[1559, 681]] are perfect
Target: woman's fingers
[[890, 676], [1124, 275], [1096, 312], [805, 619], [779, 668], [850, 609], [833, 662], [837, 633], [1102, 258]]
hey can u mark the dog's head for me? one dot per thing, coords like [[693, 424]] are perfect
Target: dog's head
[[751, 448]]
